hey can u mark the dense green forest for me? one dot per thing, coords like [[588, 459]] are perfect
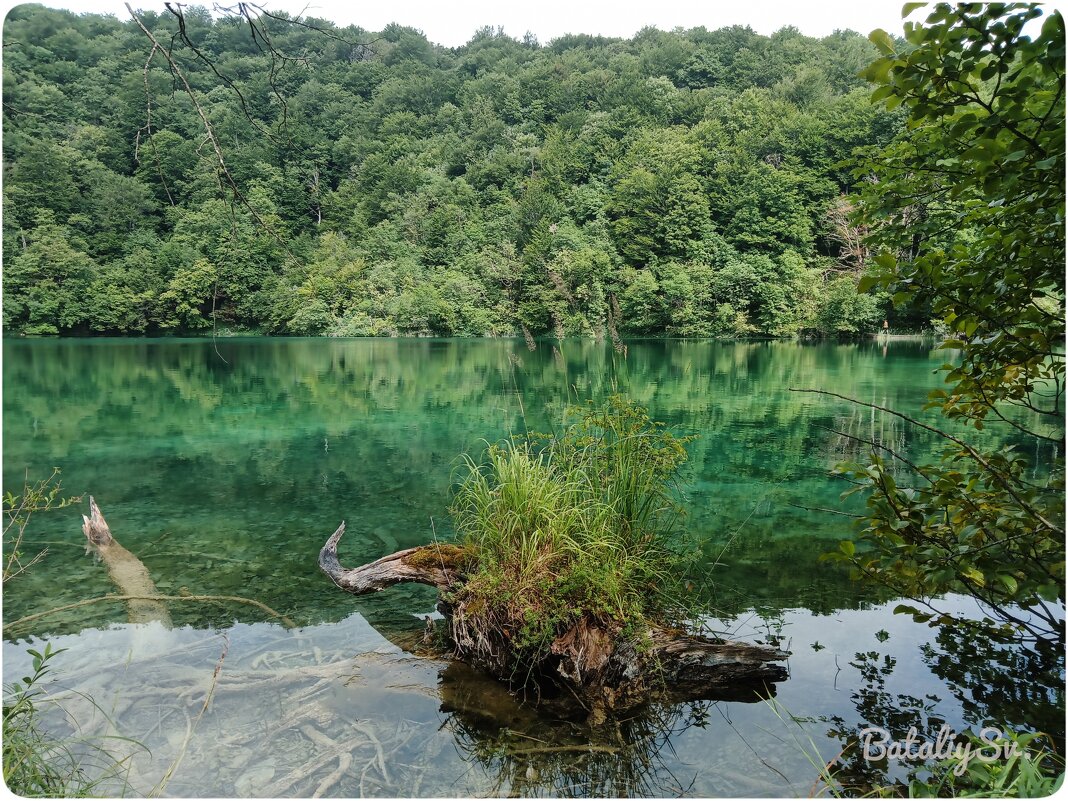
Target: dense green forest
[[689, 183]]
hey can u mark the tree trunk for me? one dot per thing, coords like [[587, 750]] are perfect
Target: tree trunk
[[589, 662], [127, 571]]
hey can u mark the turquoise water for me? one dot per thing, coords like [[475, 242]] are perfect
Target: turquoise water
[[224, 466]]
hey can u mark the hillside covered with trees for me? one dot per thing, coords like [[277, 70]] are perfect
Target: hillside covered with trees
[[689, 183]]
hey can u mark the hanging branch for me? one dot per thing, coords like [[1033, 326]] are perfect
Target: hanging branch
[[176, 10], [147, 128], [223, 170], [998, 476]]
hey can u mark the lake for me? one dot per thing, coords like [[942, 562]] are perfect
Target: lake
[[225, 465]]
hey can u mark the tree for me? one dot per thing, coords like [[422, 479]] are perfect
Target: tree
[[966, 211], [243, 139]]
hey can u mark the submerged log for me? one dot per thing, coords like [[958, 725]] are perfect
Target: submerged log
[[590, 661], [127, 572]]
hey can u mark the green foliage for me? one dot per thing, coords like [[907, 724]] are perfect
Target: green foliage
[[40, 496], [978, 232], [996, 763], [1031, 770], [844, 311], [973, 525], [572, 525], [37, 764], [967, 212], [403, 188]]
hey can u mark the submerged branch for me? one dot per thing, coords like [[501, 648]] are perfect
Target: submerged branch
[[236, 599]]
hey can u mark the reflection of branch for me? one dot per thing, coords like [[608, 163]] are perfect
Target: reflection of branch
[[824, 509], [529, 754]]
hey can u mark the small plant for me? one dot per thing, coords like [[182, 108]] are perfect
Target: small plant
[[1006, 765], [37, 764], [18, 509], [571, 526], [1029, 770]]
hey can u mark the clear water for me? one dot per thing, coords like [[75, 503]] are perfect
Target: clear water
[[224, 466]]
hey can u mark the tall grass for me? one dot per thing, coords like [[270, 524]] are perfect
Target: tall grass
[[579, 523], [38, 764]]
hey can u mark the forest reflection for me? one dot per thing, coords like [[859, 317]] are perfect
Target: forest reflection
[[223, 464]]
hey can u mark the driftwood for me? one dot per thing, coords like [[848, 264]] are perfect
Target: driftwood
[[127, 571], [588, 662]]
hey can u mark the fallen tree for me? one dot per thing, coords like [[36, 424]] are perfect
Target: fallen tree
[[590, 661], [144, 602], [568, 577]]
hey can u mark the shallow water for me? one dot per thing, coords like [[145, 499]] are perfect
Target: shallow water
[[225, 466]]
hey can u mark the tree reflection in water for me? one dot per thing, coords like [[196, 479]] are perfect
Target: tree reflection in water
[[1005, 686], [548, 752]]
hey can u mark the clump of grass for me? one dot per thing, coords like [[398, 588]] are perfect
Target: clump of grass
[[578, 524], [37, 764]]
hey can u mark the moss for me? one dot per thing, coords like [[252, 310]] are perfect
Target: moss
[[440, 555]]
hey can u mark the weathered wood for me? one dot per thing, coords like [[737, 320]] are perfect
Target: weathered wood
[[590, 661], [127, 572], [435, 565]]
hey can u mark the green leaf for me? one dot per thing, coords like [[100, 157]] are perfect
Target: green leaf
[[882, 40], [882, 93], [1009, 582], [847, 547], [886, 260], [908, 8], [866, 282]]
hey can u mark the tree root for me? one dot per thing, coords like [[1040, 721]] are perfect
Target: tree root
[[591, 662]]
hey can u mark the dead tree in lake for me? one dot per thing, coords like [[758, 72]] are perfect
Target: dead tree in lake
[[591, 661]]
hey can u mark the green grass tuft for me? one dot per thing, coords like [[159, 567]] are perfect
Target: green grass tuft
[[39, 765], [580, 523]]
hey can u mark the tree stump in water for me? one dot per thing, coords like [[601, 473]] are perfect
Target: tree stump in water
[[591, 661], [127, 571]]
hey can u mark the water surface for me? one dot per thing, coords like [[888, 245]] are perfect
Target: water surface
[[225, 466]]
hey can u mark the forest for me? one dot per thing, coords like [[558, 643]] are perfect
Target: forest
[[682, 183]]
